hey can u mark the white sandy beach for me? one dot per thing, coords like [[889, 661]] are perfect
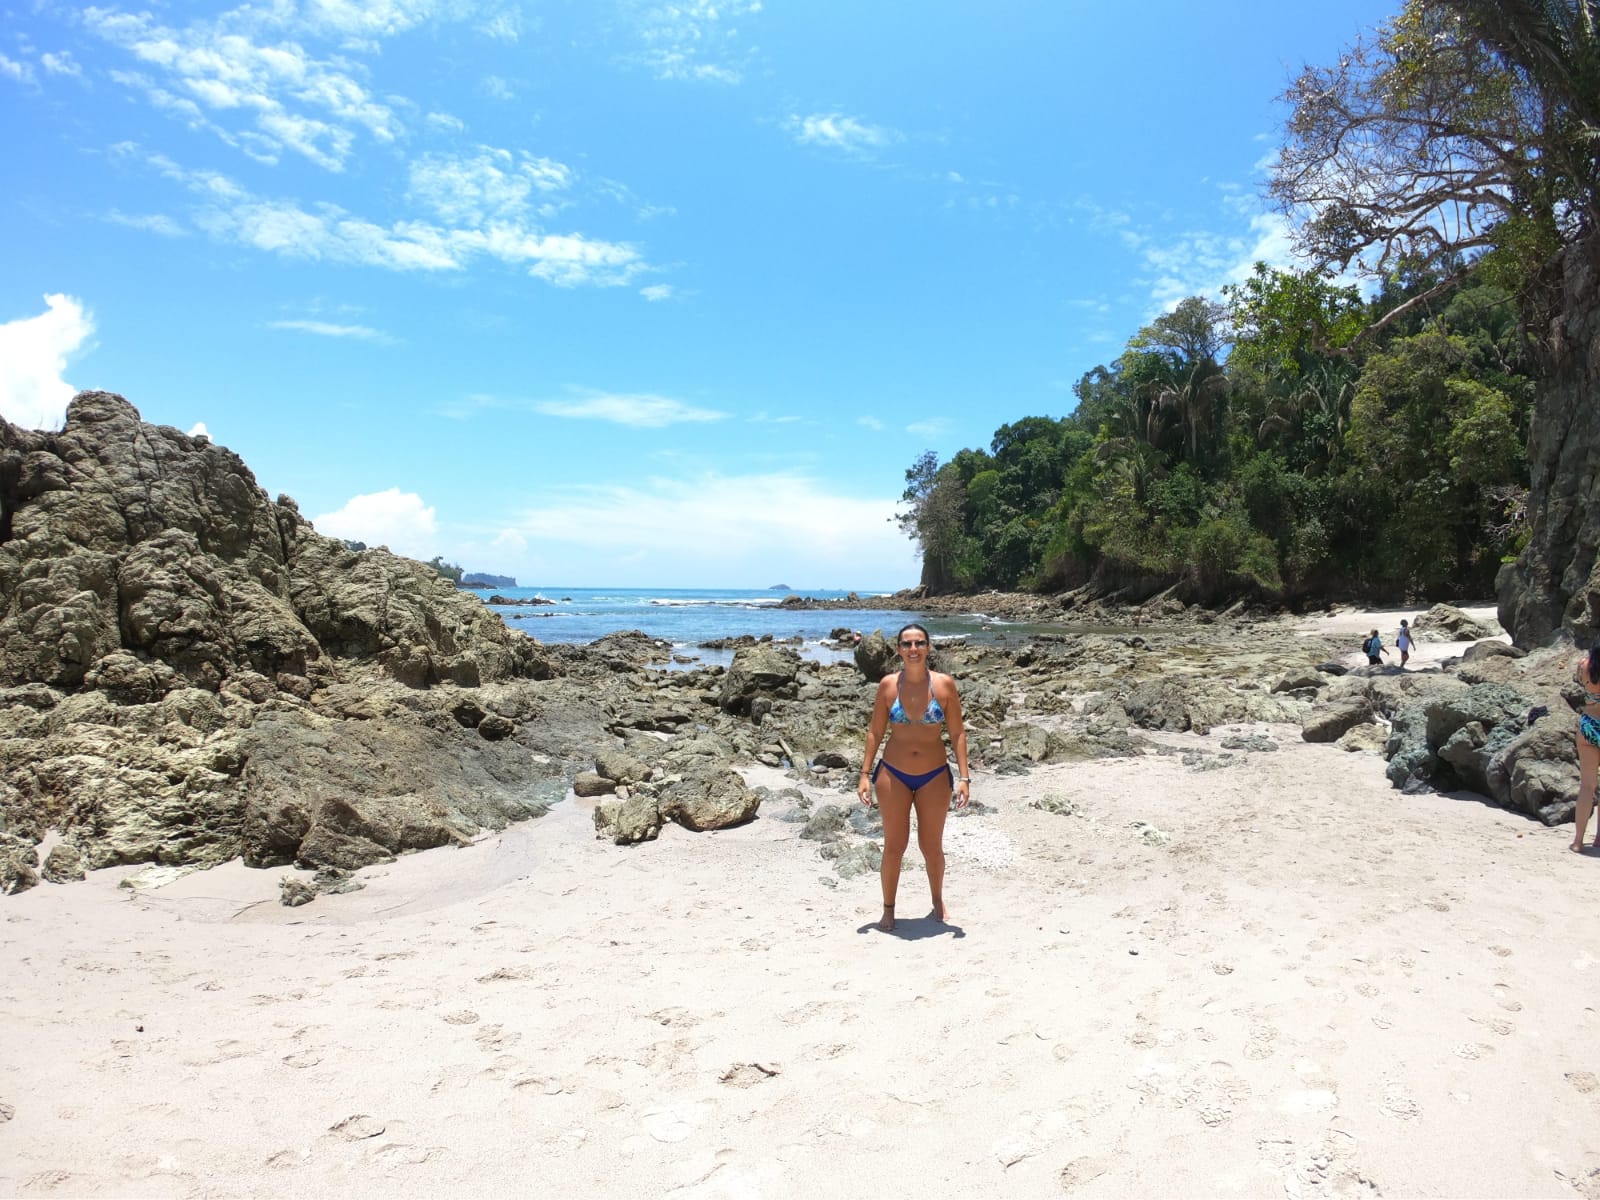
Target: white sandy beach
[[1316, 987]]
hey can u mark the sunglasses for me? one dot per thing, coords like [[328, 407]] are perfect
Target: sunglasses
[[917, 645]]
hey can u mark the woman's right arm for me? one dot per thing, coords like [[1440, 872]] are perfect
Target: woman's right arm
[[879, 722]]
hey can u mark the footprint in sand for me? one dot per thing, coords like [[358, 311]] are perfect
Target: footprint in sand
[[1583, 1081], [1472, 1050], [674, 1124], [1500, 951], [462, 1016], [1503, 997], [497, 1037], [1262, 1036], [1366, 989], [405, 1156], [1495, 1025], [1399, 1105], [358, 1127], [302, 1060], [1083, 1170]]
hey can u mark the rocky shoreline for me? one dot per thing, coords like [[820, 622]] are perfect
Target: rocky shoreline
[[189, 674]]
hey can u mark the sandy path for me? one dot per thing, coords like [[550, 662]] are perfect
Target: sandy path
[[1316, 987]]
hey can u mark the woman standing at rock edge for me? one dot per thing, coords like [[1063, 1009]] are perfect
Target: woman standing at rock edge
[[914, 705], [1587, 673]]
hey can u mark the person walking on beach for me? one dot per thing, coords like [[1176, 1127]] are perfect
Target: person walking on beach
[[914, 705], [1373, 649], [1586, 671], [1403, 643]]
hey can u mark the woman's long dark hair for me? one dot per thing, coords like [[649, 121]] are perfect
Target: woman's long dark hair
[[1594, 662]]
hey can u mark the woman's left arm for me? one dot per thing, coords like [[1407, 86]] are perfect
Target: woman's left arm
[[958, 742]]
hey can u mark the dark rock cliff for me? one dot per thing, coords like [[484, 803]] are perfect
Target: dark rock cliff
[[1553, 584]]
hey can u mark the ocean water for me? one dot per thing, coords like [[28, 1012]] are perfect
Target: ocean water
[[688, 616]]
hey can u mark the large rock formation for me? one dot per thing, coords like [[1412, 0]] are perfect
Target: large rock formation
[[190, 672], [1554, 583], [121, 536]]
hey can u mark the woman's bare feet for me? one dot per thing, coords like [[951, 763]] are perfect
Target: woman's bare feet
[[1576, 847], [886, 922], [941, 911]]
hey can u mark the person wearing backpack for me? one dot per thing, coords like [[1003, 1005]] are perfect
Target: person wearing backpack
[[1373, 649]]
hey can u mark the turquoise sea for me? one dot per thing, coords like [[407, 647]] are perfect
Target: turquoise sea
[[688, 616]]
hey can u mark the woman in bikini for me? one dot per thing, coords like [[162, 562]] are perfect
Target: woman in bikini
[[1587, 674], [913, 706]]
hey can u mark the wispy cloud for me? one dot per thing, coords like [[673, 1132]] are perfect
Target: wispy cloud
[[360, 333], [870, 423], [1202, 262], [933, 427], [392, 518], [694, 39], [656, 292], [61, 64], [11, 68], [34, 352], [496, 88], [642, 411], [263, 91], [837, 131], [149, 223], [327, 232], [490, 185]]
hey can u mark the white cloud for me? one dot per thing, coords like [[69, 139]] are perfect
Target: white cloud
[[360, 333], [200, 430], [931, 428], [271, 89], [835, 131], [33, 357], [10, 68], [641, 411], [870, 423], [694, 39], [510, 541], [150, 223], [496, 88], [61, 64], [492, 184], [658, 291], [718, 529], [445, 121], [392, 518]]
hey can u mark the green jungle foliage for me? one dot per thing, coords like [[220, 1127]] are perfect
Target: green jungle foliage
[[1304, 440], [1283, 445]]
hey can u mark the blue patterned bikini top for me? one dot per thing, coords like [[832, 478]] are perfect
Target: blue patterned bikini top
[[932, 715]]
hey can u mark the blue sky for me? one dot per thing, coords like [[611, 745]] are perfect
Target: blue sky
[[612, 293]]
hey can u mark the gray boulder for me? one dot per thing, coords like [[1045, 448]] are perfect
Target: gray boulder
[[759, 670], [628, 822], [874, 656], [63, 864], [1446, 623], [1364, 739], [711, 796], [1330, 721], [1492, 648], [1300, 680], [621, 767], [1536, 772]]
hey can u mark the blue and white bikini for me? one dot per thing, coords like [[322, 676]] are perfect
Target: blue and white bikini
[[931, 715], [1588, 727]]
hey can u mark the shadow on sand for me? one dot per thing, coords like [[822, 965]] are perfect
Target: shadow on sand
[[913, 929]]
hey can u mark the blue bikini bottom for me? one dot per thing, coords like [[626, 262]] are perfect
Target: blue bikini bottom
[[915, 782]]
